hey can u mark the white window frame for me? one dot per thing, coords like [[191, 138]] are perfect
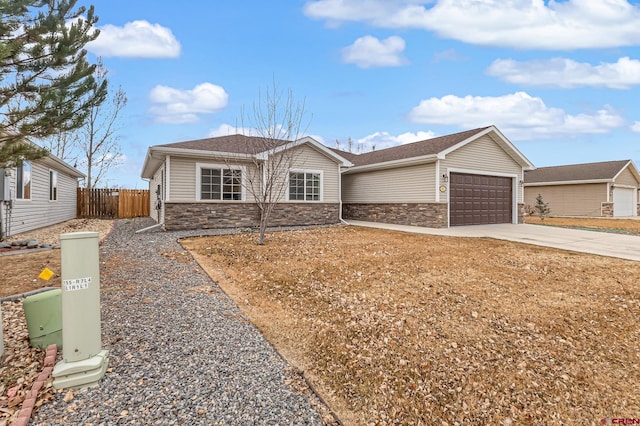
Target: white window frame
[[288, 195], [20, 179], [243, 177], [53, 189]]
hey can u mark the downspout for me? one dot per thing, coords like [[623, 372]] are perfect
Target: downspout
[[340, 197]]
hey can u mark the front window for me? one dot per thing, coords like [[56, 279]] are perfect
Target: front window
[[304, 186], [53, 185], [23, 181], [220, 184]]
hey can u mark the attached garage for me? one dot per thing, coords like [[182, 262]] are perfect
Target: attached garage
[[480, 199], [603, 189], [466, 178]]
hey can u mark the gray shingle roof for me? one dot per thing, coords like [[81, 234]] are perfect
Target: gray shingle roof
[[236, 144], [410, 150], [604, 170]]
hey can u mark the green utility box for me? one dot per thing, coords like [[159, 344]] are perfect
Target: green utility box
[[43, 312]]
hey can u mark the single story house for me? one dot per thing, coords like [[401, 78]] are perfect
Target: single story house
[[602, 189], [37, 194], [467, 178], [207, 183]]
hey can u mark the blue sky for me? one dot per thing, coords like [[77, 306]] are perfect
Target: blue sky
[[560, 79]]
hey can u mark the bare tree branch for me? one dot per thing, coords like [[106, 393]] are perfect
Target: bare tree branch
[[274, 126]]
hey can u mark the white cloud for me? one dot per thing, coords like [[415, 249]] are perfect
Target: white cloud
[[382, 140], [519, 115], [368, 52], [567, 73], [137, 39], [179, 106], [635, 127], [521, 24], [449, 55]]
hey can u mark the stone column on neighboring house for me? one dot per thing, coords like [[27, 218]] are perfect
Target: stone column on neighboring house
[[607, 210], [521, 212]]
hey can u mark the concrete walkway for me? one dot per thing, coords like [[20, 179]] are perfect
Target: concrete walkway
[[601, 243]]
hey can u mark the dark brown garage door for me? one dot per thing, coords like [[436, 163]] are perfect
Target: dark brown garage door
[[479, 200]]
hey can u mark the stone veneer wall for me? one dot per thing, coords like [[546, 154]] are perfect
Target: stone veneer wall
[[607, 210], [432, 215], [180, 216]]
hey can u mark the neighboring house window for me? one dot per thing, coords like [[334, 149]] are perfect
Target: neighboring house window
[[304, 186], [23, 181], [53, 185], [220, 184]]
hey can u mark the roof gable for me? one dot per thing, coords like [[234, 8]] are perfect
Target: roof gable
[[231, 147], [410, 150], [600, 171]]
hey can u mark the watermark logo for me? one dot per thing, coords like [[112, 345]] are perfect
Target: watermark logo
[[620, 421]]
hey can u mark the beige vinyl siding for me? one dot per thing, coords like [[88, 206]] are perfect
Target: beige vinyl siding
[[182, 174], [307, 158], [570, 200], [626, 178], [39, 212], [414, 184], [483, 155], [182, 179]]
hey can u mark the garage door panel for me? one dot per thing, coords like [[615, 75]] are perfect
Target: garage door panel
[[479, 199], [623, 202]]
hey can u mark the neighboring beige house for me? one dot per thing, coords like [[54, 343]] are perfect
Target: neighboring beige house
[[603, 189], [468, 178], [37, 194], [203, 183]]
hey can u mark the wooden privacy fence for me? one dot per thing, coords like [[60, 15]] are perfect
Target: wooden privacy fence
[[113, 203]]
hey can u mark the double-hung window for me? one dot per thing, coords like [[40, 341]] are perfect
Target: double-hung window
[[53, 185], [23, 181], [304, 186], [218, 183]]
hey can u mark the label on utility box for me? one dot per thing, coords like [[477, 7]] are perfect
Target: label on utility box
[[76, 284]]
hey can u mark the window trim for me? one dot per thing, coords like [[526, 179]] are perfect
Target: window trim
[[53, 195], [288, 194], [243, 176], [20, 169]]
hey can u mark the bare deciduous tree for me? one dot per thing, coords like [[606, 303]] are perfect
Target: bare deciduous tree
[[98, 139], [275, 123], [64, 146]]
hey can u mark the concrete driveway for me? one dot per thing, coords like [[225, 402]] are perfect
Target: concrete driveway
[[601, 243]]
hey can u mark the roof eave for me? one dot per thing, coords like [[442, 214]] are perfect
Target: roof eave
[[568, 182], [413, 161], [156, 155]]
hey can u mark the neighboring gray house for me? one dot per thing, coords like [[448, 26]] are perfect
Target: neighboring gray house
[[602, 189], [203, 183], [468, 178], [37, 194]]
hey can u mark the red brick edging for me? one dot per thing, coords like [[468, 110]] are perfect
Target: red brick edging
[[30, 401]]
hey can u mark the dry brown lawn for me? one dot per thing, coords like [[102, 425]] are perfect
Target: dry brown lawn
[[396, 328]]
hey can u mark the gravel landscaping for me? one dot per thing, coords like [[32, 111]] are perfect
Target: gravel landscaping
[[180, 350]]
